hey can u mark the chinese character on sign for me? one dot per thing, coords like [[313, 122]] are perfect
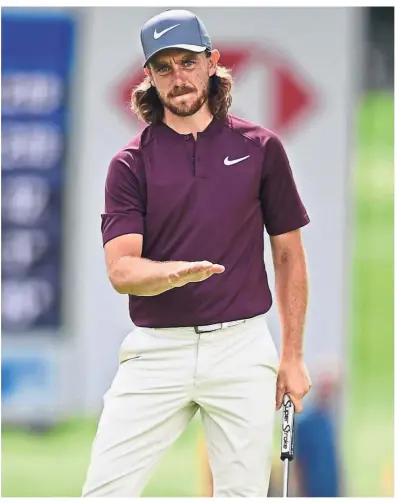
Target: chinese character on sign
[[31, 93], [31, 145], [24, 199]]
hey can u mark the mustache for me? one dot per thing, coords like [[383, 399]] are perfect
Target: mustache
[[180, 91]]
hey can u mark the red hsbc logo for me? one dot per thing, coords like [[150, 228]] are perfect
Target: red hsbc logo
[[268, 89]]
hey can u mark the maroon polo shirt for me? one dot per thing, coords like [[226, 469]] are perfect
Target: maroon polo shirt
[[208, 199]]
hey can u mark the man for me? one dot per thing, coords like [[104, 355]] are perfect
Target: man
[[186, 202]]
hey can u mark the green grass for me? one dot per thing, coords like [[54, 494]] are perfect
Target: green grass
[[54, 464], [51, 464]]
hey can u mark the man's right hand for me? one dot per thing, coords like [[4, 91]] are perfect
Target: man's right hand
[[193, 272], [132, 274]]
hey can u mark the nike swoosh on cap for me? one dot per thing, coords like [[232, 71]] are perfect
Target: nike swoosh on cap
[[159, 34]]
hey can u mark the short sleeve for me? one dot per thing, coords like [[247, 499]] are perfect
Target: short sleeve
[[124, 205], [282, 208]]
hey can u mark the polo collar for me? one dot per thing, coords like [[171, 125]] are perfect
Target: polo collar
[[213, 128]]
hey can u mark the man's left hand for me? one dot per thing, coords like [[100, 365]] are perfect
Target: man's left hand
[[293, 379]]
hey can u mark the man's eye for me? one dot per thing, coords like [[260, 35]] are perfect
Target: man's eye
[[162, 69], [188, 62]]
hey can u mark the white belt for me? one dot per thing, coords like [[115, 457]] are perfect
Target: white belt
[[217, 326]]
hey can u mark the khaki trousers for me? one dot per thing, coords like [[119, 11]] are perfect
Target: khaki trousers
[[164, 377]]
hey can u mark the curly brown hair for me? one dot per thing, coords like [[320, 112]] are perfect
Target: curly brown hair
[[146, 104]]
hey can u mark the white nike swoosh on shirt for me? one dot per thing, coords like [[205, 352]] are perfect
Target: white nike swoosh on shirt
[[159, 34], [230, 162]]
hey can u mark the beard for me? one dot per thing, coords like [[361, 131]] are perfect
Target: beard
[[183, 108]]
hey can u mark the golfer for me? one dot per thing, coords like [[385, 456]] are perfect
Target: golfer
[[187, 202]]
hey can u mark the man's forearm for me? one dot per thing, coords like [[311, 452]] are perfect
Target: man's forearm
[[140, 276], [292, 295]]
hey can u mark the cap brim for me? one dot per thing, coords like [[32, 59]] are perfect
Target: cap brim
[[187, 47]]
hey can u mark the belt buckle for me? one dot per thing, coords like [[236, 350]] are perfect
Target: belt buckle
[[196, 329]]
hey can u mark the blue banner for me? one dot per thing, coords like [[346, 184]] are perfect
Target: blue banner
[[37, 68]]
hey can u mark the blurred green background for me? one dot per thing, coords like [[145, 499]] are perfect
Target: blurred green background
[[369, 433], [54, 463]]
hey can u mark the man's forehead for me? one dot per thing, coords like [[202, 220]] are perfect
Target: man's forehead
[[173, 53]]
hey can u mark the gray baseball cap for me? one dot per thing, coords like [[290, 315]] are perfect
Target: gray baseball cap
[[174, 28]]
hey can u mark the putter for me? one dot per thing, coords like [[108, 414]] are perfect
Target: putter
[[287, 439]]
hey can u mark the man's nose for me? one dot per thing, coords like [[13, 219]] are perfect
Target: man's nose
[[179, 76]]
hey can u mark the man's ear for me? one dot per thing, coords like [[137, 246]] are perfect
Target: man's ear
[[213, 61], [148, 73]]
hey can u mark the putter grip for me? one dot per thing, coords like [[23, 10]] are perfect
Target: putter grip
[[287, 429]]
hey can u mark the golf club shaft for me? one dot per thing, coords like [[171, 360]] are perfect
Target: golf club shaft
[[286, 474]]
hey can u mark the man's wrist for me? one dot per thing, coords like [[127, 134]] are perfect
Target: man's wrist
[[288, 354]]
